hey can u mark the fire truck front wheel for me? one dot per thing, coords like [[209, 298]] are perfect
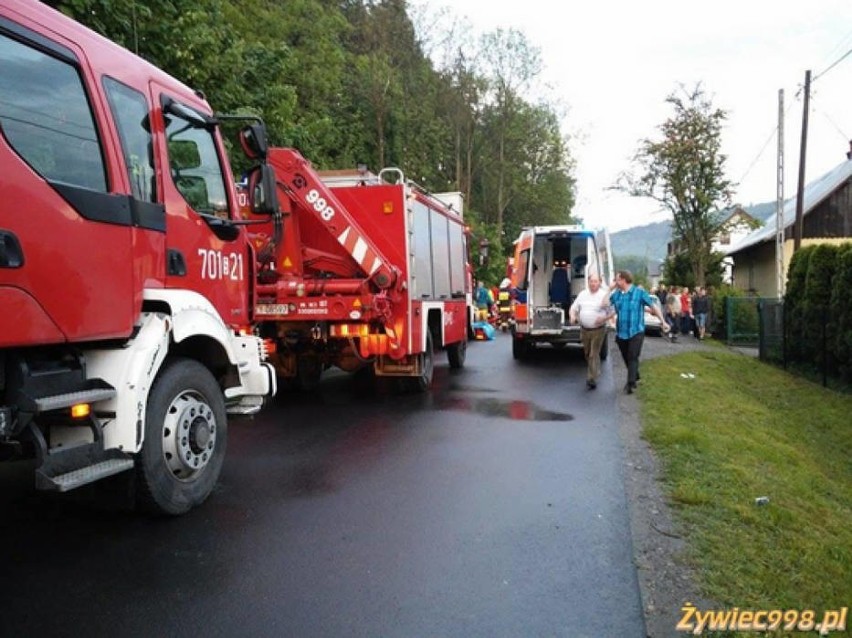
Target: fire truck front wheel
[[185, 436]]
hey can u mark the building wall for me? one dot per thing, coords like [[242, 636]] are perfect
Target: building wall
[[828, 223], [832, 218], [754, 268]]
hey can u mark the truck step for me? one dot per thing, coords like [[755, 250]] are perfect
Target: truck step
[[76, 478], [59, 401], [246, 406]]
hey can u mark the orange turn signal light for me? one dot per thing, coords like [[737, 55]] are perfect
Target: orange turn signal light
[[81, 410]]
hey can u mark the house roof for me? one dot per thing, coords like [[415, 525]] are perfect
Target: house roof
[[737, 211], [815, 193]]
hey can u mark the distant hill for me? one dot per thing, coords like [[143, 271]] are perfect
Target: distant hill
[[650, 241], [647, 241]]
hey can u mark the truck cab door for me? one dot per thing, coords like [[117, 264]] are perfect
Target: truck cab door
[[206, 253], [61, 205]]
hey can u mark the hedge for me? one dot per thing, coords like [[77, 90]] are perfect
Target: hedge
[[818, 306]]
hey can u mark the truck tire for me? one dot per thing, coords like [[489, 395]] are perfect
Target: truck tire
[[186, 432], [456, 354], [605, 348], [423, 382], [308, 373], [520, 349]]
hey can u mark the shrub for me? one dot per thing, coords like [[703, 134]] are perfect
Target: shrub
[[841, 311], [817, 328], [793, 300]]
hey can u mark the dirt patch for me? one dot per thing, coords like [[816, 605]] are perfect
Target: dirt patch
[[665, 581]]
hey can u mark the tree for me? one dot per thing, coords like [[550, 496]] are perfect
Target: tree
[[511, 64], [678, 271], [685, 172]]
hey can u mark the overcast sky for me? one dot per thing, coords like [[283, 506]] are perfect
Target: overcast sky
[[612, 64]]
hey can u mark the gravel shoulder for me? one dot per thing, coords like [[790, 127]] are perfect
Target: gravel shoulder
[[665, 581]]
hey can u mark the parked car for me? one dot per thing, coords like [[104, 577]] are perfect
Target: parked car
[[653, 326]]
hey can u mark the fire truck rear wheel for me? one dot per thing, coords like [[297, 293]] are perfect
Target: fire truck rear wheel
[[520, 349], [185, 438], [456, 354], [308, 373], [427, 369]]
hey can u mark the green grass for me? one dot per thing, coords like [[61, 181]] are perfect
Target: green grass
[[743, 429]]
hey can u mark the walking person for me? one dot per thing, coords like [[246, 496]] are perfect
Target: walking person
[[483, 300], [629, 303], [589, 309], [685, 311], [700, 310], [662, 294], [672, 312]]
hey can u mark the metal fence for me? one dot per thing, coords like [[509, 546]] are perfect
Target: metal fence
[[742, 321], [771, 344], [776, 346]]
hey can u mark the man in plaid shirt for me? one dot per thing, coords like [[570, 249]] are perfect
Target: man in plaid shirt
[[629, 303]]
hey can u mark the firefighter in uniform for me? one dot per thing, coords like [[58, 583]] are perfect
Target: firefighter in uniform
[[504, 304]]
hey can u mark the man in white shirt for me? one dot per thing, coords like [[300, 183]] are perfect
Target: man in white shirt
[[589, 309]]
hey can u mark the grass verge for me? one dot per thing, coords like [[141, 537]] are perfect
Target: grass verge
[[739, 430]]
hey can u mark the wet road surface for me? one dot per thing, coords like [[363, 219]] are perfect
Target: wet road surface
[[492, 506]]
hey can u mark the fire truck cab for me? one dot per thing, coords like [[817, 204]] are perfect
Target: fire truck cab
[[551, 264], [125, 277]]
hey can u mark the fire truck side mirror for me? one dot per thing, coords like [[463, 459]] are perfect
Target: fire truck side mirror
[[262, 187], [254, 142]]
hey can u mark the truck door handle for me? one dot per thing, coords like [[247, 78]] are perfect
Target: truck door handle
[[176, 264], [11, 255]]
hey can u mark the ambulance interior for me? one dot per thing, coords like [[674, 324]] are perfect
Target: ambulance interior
[[558, 269]]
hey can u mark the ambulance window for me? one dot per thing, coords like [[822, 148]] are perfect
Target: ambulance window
[[522, 270], [195, 167], [130, 111], [46, 117]]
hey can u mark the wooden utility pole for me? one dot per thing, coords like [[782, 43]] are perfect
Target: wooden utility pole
[[779, 203], [800, 196]]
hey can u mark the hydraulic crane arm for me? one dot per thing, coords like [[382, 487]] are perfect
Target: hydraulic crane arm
[[298, 176]]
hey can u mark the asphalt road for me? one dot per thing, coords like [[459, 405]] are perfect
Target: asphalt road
[[492, 506]]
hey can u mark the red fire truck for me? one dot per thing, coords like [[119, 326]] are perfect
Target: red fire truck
[[361, 270], [125, 311]]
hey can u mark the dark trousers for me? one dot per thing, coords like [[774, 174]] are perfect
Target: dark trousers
[[630, 350]]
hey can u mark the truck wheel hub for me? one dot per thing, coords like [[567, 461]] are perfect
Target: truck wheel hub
[[189, 435]]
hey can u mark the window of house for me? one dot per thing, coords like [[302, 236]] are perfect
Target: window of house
[[46, 117], [131, 114], [725, 239]]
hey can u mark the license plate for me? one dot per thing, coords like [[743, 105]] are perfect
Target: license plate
[[271, 309]]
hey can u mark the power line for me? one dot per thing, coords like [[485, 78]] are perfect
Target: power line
[[845, 41], [832, 65], [763, 148], [833, 123]]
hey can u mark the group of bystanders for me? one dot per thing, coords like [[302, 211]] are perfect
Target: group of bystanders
[[685, 313]]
